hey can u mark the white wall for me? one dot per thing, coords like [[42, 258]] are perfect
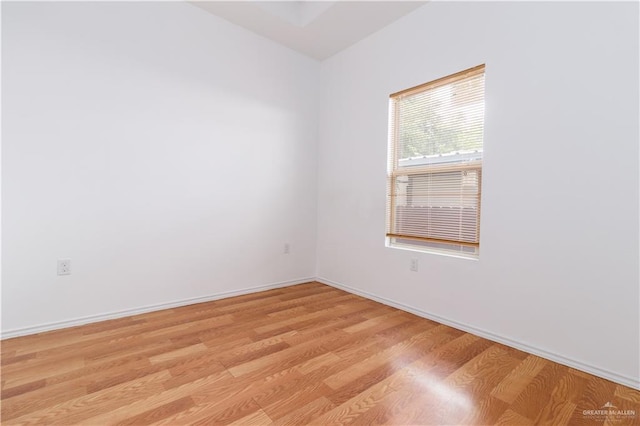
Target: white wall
[[165, 151], [558, 267]]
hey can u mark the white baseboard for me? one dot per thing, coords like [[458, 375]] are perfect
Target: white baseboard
[[632, 382], [150, 308]]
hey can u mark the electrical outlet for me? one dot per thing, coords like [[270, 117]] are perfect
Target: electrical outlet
[[414, 265], [64, 266], [286, 248]]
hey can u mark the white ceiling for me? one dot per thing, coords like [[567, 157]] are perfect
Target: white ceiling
[[318, 29]]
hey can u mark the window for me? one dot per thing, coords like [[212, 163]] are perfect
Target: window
[[435, 164]]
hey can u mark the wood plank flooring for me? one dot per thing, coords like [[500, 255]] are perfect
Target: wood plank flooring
[[307, 354]]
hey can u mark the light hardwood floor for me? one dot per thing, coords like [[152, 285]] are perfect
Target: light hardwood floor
[[307, 354]]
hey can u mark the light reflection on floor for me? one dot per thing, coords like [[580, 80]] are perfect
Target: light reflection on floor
[[452, 396]]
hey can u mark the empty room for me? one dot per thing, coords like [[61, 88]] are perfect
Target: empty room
[[320, 213]]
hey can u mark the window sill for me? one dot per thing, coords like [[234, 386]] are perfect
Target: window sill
[[432, 250]]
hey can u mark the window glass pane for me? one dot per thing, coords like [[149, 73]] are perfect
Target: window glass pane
[[443, 121]]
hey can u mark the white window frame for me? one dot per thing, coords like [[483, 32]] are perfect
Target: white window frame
[[429, 168]]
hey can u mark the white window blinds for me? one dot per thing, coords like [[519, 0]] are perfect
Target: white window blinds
[[435, 162]]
